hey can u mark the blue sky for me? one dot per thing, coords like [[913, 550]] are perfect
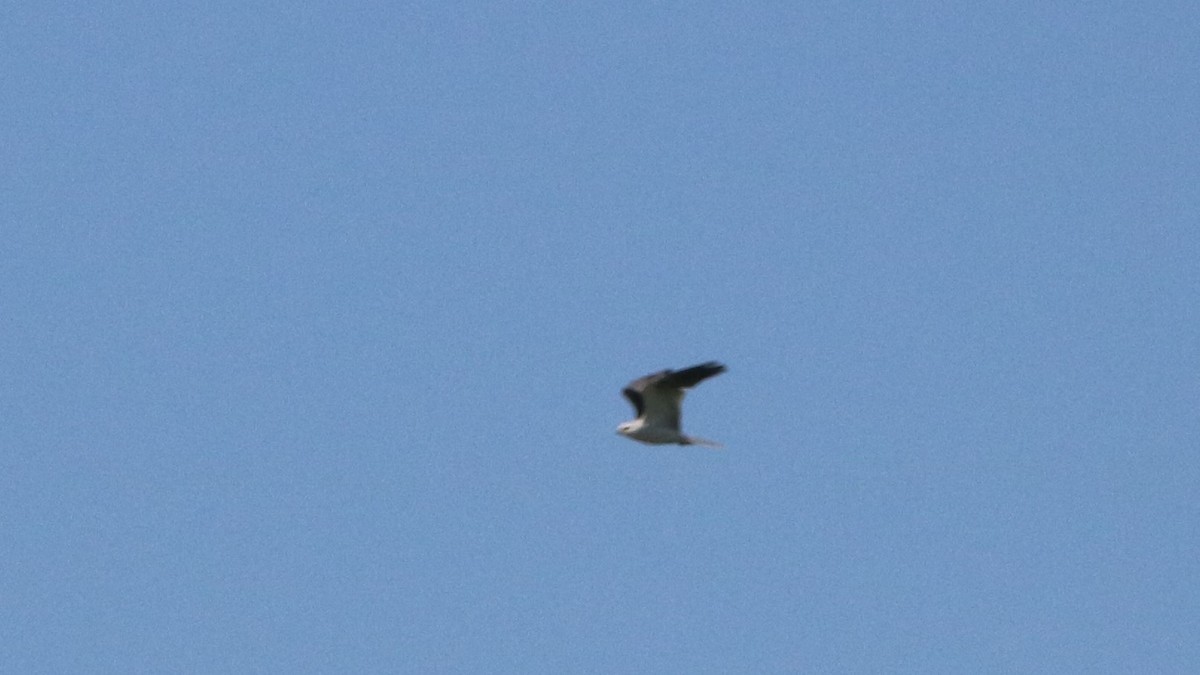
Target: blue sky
[[315, 318]]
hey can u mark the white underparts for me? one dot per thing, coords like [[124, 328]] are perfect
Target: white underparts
[[638, 431]]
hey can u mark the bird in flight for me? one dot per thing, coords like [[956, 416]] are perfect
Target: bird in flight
[[658, 398]]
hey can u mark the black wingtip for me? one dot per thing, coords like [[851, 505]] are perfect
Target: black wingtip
[[713, 367], [690, 377]]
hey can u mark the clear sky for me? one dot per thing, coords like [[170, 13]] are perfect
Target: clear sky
[[314, 319]]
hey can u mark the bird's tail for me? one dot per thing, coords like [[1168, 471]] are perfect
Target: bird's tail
[[696, 440]]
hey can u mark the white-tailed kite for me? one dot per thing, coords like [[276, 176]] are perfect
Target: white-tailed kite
[[658, 398]]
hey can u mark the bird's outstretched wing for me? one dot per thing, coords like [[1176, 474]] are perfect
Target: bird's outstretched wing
[[658, 398]]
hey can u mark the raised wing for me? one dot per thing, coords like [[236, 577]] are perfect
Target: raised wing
[[663, 407], [635, 397], [658, 397]]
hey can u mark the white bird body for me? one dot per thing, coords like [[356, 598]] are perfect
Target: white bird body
[[658, 401]]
